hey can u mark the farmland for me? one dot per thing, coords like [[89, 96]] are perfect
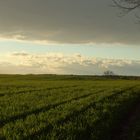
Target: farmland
[[65, 107]]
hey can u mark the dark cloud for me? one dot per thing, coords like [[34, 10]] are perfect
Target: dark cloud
[[67, 21]]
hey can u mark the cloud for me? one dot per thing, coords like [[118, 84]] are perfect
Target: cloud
[[20, 54], [66, 21], [59, 63]]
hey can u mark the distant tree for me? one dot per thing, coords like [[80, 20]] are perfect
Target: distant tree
[[109, 73]]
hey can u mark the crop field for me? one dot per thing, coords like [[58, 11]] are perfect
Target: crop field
[[50, 107]]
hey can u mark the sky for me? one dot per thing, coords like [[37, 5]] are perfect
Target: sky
[[84, 37]]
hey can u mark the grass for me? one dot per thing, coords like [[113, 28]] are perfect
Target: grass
[[64, 107]]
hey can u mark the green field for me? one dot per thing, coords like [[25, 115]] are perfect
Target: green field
[[65, 107]]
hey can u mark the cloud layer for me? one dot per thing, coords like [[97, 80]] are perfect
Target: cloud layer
[[58, 63], [66, 21]]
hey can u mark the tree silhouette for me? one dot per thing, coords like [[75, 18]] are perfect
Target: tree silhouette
[[109, 73], [127, 5]]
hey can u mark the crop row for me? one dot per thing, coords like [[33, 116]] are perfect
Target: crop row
[[35, 124]]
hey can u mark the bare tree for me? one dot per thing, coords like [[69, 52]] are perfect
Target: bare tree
[[109, 73], [127, 5]]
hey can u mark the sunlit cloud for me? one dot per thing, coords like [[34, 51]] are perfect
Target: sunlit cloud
[[59, 63]]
